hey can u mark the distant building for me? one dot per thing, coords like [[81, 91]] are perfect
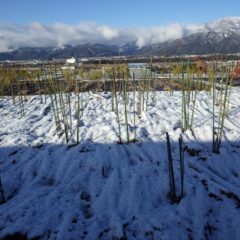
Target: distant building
[[84, 60], [71, 60], [68, 67]]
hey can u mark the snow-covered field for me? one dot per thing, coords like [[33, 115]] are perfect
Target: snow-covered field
[[99, 189]]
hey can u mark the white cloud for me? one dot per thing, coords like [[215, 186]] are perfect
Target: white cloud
[[14, 36]]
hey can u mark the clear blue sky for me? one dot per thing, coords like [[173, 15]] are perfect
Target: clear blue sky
[[117, 13]]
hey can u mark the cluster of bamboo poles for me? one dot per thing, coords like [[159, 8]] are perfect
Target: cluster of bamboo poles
[[219, 80], [220, 92], [173, 196], [132, 93], [61, 94]]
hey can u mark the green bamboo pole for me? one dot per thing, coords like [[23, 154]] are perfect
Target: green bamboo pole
[[125, 105], [116, 103]]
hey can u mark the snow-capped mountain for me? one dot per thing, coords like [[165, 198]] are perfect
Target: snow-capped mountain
[[220, 36], [223, 25]]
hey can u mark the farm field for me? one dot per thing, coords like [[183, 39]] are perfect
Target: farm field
[[119, 120], [108, 177]]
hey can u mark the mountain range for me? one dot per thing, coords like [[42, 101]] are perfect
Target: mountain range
[[216, 37]]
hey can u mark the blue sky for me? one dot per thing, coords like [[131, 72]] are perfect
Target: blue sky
[[118, 13], [56, 23]]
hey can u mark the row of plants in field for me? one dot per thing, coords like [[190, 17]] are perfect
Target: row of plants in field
[[132, 93]]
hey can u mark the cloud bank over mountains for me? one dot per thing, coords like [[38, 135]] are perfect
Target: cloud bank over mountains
[[14, 36]]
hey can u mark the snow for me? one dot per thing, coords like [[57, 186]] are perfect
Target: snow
[[223, 25], [99, 189]]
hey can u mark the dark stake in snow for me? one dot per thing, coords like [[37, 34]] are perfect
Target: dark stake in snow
[[172, 193], [2, 199], [181, 157]]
